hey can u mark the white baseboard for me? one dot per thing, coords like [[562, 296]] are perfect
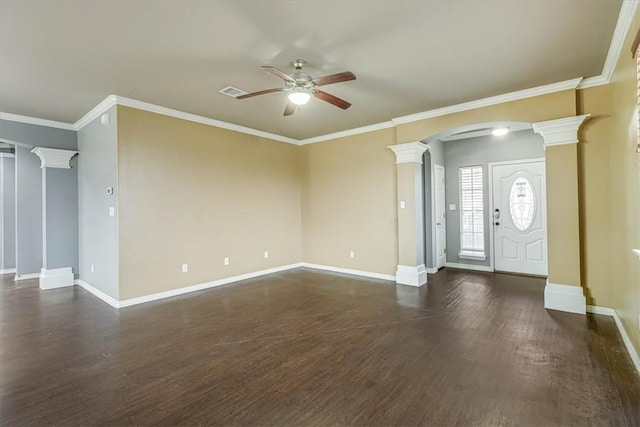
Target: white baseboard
[[350, 271], [468, 266], [8, 271], [565, 298], [54, 278], [410, 275], [26, 277], [97, 292], [431, 270], [623, 332]]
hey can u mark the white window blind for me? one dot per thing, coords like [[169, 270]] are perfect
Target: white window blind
[[471, 212]]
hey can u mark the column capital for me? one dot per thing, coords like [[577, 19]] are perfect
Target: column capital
[[53, 157], [410, 152], [560, 131]]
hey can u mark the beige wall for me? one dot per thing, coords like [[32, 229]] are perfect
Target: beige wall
[[625, 189], [349, 203], [563, 240], [595, 195], [194, 194]]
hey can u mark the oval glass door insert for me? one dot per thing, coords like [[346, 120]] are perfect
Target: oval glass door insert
[[522, 204]]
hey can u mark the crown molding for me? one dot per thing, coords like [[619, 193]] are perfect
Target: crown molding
[[348, 132], [593, 82], [625, 17], [35, 121], [112, 100], [96, 111], [493, 100]]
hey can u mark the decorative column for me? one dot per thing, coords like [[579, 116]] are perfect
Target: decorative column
[[59, 217], [563, 290], [411, 270]]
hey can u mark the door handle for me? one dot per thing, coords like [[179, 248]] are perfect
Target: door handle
[[497, 223]]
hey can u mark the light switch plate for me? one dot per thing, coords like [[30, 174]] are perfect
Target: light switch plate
[[109, 191], [402, 204], [452, 207], [112, 211]]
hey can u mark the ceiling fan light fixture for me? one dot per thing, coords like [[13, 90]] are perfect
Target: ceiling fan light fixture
[[299, 97], [500, 131]]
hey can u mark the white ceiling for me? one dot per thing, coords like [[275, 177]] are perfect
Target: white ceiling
[[59, 59]]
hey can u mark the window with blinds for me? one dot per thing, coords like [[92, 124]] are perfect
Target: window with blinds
[[471, 213]]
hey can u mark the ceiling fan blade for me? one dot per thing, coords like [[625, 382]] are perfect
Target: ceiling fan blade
[[334, 78], [289, 109], [279, 73], [262, 92], [331, 99]]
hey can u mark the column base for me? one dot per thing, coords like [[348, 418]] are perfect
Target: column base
[[565, 298], [56, 278], [411, 276]]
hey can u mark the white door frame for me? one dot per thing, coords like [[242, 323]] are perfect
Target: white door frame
[[492, 207], [435, 220]]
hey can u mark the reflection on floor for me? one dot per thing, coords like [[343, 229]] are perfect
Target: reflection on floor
[[313, 348]]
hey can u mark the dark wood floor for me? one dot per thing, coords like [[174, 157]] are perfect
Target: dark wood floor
[[311, 348]]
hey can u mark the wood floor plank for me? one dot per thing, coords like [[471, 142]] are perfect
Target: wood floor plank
[[304, 347]]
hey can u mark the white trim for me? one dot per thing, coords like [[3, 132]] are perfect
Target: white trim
[[493, 100], [8, 271], [593, 82], [410, 275], [564, 298], [96, 112], [625, 17], [349, 271], [112, 100], [410, 152], [54, 158], [636, 252], [560, 131], [29, 276], [605, 311], [459, 266], [202, 286], [36, 121], [348, 132], [8, 155], [431, 270], [97, 292], [56, 278]]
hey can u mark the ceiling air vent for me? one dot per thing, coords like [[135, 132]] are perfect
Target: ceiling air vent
[[232, 91]]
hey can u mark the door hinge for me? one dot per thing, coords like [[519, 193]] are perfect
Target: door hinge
[[445, 250]]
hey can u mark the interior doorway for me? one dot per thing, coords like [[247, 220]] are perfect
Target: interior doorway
[[518, 214], [440, 216]]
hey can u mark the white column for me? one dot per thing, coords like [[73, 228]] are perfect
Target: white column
[[563, 290], [58, 276], [411, 269]]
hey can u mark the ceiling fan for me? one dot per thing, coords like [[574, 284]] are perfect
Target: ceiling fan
[[301, 87]]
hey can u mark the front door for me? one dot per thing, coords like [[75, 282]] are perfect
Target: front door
[[441, 225], [519, 218]]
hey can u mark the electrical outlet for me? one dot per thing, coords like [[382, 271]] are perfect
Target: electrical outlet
[[226, 261], [352, 254], [112, 211], [92, 268], [266, 254], [402, 205], [185, 268]]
